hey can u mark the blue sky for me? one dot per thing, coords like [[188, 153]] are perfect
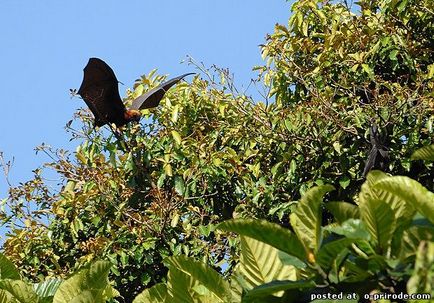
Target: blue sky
[[46, 44]]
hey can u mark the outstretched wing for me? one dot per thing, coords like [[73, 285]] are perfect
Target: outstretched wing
[[99, 90], [153, 97]]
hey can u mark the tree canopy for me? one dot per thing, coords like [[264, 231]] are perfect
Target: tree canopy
[[211, 153]]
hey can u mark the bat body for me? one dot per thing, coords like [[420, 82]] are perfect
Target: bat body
[[100, 91], [379, 155]]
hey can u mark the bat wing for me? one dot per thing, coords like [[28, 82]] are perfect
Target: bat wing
[[100, 91], [370, 163], [153, 97]]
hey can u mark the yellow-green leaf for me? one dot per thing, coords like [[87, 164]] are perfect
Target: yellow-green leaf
[[176, 136]]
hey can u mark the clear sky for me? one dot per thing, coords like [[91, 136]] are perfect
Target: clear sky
[[45, 45]]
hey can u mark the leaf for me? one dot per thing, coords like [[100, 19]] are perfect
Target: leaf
[[176, 136], [403, 211], [368, 70], [175, 220], [138, 91], [19, 290], [329, 252], [168, 169], [424, 153], [430, 71], [179, 185], [8, 269], [290, 260], [344, 182], [269, 233], [175, 112], [179, 286], [343, 211], [6, 297], [305, 27], [412, 192], [260, 263], [412, 237], [156, 293], [392, 55], [421, 282], [47, 288], [203, 274], [87, 285], [306, 220], [378, 218], [352, 228]]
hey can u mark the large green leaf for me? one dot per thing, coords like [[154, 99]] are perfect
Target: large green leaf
[[260, 263], [378, 218], [402, 210], [46, 289], [8, 269], [179, 286], [330, 252], [19, 290], [274, 287], [422, 280], [184, 288], [306, 220], [269, 233], [6, 297], [411, 238], [87, 285], [155, 294], [343, 211], [412, 192], [351, 228], [204, 275], [424, 153]]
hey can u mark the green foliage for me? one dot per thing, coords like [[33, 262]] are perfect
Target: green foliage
[[268, 233], [335, 69], [424, 153], [209, 153], [356, 256], [8, 269], [87, 285], [422, 279], [306, 219], [157, 293]]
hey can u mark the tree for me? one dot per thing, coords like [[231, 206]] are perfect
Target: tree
[[210, 153]]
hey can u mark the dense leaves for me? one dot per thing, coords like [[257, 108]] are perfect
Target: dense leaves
[[354, 258], [210, 153]]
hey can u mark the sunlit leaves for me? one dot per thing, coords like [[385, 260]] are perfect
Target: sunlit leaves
[[271, 234], [19, 290], [157, 293], [421, 281], [412, 192], [88, 285], [306, 220], [210, 153], [206, 276], [260, 264], [424, 153], [8, 269]]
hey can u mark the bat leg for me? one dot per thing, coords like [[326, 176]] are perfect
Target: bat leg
[[120, 137]]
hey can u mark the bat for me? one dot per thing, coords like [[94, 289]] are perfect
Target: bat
[[379, 155], [100, 91]]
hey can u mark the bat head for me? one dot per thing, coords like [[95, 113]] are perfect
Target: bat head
[[132, 115]]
